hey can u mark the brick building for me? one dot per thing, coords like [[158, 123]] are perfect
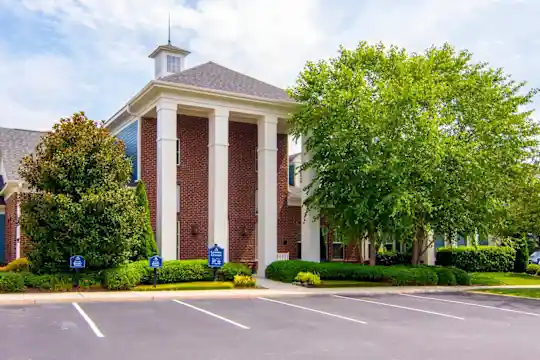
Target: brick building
[[211, 145]]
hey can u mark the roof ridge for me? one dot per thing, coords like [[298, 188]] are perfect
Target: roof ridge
[[18, 129], [248, 76]]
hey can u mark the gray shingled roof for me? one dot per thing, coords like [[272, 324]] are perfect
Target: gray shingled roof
[[216, 77], [14, 145]]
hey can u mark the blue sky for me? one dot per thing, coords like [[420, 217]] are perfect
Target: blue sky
[[62, 56]]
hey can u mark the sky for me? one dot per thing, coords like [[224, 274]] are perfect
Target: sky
[[62, 56]]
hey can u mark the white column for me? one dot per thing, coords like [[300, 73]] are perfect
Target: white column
[[218, 179], [166, 179], [311, 249], [266, 192]]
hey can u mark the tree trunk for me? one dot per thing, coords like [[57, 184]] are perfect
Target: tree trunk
[[359, 250], [373, 251], [418, 244]]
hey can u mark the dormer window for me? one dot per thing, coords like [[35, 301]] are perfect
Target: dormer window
[[174, 64]]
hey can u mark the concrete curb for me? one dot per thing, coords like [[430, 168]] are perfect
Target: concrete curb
[[131, 296]]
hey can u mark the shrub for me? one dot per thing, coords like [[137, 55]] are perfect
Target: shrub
[[147, 234], [287, 270], [81, 204], [11, 282], [533, 269], [389, 258], [478, 259], [246, 281], [175, 271], [308, 278], [445, 276], [522, 254], [230, 270], [17, 265], [462, 277], [124, 277], [60, 282]]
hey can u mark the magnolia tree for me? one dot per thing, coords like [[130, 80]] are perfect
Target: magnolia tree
[[80, 203], [404, 145]]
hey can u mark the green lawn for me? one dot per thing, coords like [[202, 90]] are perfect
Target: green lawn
[[199, 285], [349, 283], [504, 279], [528, 293]]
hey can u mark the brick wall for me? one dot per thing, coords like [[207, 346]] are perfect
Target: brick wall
[[148, 164], [9, 250], [192, 176], [242, 186], [10, 230]]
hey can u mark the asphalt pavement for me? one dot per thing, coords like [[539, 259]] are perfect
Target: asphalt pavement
[[416, 326]]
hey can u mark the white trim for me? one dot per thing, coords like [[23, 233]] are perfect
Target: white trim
[[124, 125], [160, 85]]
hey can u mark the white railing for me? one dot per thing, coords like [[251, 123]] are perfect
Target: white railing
[[283, 256]]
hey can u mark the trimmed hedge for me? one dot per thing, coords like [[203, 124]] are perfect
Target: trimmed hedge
[[127, 277], [287, 270], [478, 259], [533, 269]]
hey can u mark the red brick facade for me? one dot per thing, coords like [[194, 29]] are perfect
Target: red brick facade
[[11, 232], [192, 176], [242, 187]]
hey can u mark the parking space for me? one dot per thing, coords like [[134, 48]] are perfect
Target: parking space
[[398, 326]]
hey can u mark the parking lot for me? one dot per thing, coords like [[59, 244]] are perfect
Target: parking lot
[[398, 326]]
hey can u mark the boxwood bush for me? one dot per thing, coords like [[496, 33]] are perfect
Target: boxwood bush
[[287, 270], [478, 259], [11, 282], [126, 277]]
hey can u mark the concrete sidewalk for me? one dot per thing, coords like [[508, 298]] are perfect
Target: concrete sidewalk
[[279, 290]]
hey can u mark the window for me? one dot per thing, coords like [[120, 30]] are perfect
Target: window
[[174, 64], [291, 174], [177, 198], [483, 240], [177, 152], [338, 250]]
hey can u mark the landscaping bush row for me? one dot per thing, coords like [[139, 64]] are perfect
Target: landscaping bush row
[[533, 269], [479, 258], [287, 271], [125, 277]]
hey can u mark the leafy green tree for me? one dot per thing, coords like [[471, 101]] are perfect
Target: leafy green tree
[[148, 234], [408, 144], [80, 203]]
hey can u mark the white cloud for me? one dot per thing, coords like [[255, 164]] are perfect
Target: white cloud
[[105, 43]]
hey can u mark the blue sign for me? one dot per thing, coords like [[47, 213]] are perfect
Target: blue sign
[[77, 262], [155, 262], [216, 256]]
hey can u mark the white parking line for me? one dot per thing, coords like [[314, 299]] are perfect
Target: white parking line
[[314, 310], [92, 325], [471, 304], [401, 307], [212, 314]]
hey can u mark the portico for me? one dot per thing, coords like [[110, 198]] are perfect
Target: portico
[[211, 145]]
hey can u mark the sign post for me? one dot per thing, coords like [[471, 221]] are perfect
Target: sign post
[[77, 262], [216, 258], [155, 262]]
